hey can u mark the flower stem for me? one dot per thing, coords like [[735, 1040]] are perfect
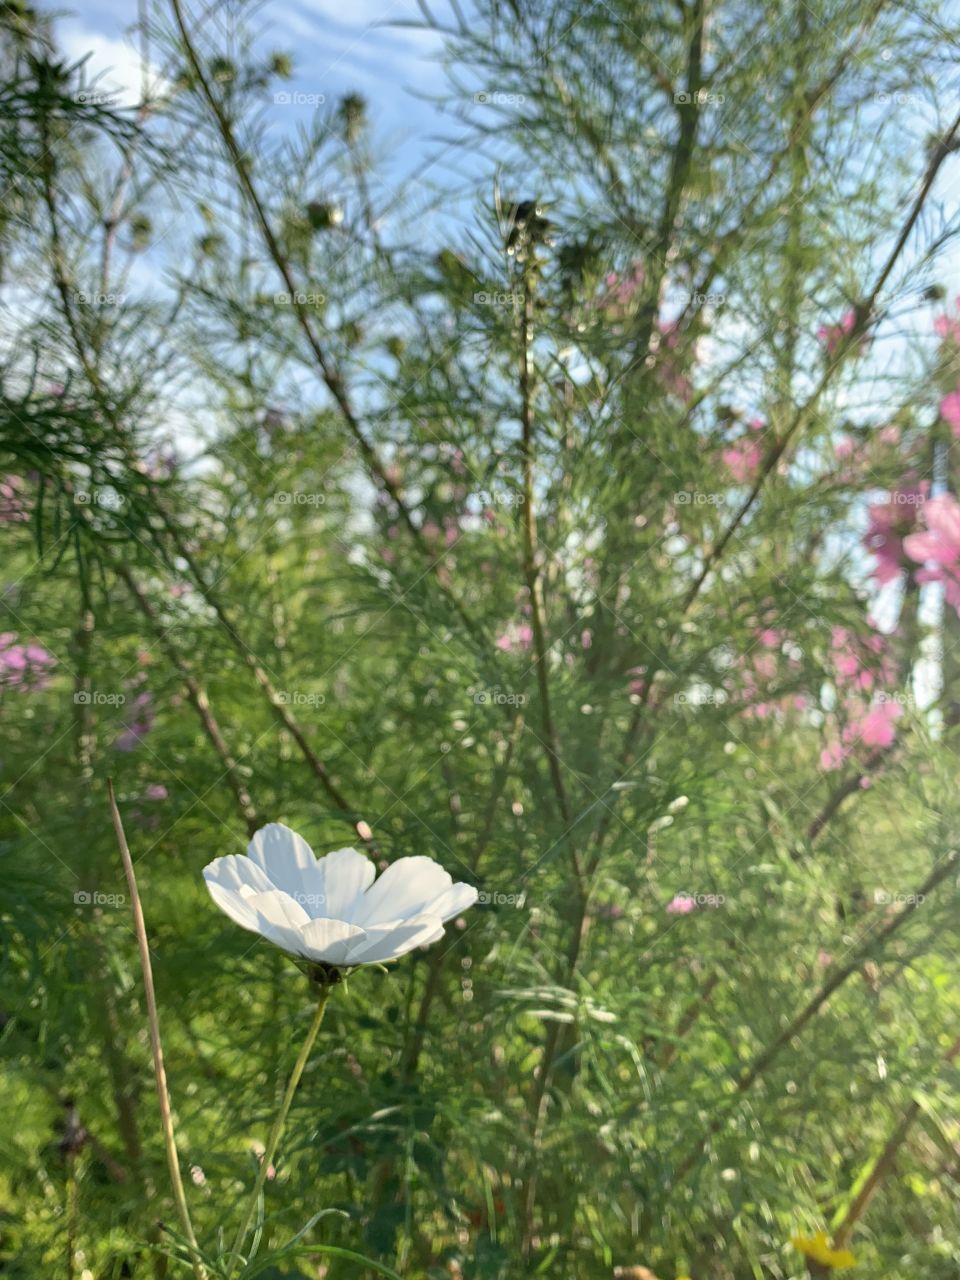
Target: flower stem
[[166, 1112], [274, 1139]]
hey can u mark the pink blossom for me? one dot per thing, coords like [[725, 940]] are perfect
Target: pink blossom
[[941, 542], [950, 411], [156, 791], [680, 905], [138, 722], [13, 508], [832, 335], [889, 435], [24, 667], [743, 458], [875, 727], [516, 638], [586, 639], [844, 448], [832, 756]]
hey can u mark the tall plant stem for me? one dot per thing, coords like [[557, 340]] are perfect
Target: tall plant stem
[[883, 1164], [274, 1139], [768, 1055], [166, 1112]]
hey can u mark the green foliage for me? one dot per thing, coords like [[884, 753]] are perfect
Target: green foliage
[[340, 514]]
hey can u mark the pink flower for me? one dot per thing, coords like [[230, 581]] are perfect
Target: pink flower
[[680, 905], [24, 667], [586, 639], [743, 458], [156, 791], [138, 722], [832, 756], [941, 542], [889, 435], [844, 448], [875, 726], [516, 638], [832, 335], [13, 507], [950, 411]]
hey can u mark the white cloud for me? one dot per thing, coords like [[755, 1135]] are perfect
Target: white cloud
[[113, 64]]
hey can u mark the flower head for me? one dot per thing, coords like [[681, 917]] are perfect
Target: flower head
[[817, 1248], [328, 911]]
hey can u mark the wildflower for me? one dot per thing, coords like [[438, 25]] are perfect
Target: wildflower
[[329, 911], [950, 411], [680, 905], [817, 1249], [742, 459]]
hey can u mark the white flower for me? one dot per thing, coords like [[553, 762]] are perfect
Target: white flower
[[329, 910]]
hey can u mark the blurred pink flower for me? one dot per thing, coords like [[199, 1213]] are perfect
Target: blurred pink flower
[[680, 905], [24, 667], [950, 411], [156, 791], [831, 335], [743, 458]]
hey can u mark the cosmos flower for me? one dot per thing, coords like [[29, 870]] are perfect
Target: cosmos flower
[[817, 1248], [330, 911]]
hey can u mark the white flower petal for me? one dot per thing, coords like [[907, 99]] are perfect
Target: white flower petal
[[236, 870], [288, 861], [279, 918], [405, 889], [452, 901], [235, 905], [329, 941], [347, 875], [387, 941]]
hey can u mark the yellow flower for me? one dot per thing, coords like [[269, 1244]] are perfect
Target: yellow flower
[[818, 1248]]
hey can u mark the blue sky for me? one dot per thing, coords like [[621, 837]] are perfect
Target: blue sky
[[338, 46]]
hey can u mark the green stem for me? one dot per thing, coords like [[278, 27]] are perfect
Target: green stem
[[274, 1140], [153, 1022]]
